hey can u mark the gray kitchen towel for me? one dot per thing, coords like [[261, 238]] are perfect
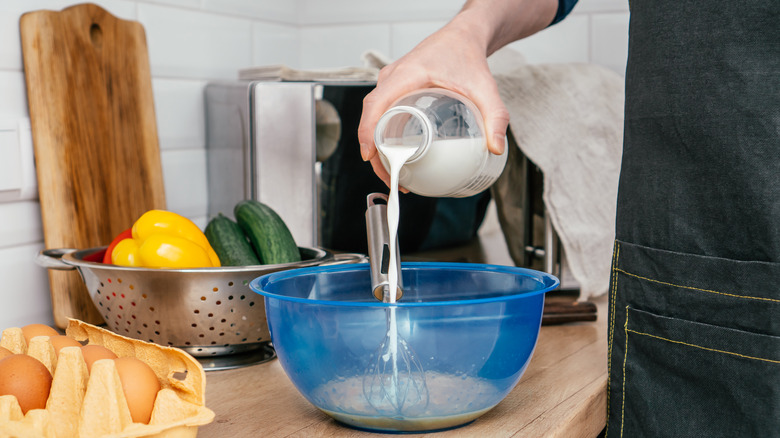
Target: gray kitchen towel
[[568, 120]]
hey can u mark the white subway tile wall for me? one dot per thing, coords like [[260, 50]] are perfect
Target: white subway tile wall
[[275, 44], [264, 10], [567, 41], [184, 43], [178, 104], [341, 45], [13, 96], [192, 42], [374, 11], [605, 49]]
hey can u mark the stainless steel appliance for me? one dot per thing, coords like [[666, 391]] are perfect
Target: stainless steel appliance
[[264, 139]]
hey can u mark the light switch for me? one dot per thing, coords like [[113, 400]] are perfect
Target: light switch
[[10, 157], [17, 164]]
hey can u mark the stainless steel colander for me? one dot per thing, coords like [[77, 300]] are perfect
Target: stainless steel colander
[[206, 311]]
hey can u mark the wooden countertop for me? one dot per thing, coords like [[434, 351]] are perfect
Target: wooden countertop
[[561, 394]]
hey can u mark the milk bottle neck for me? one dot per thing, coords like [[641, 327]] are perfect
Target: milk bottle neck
[[405, 126]]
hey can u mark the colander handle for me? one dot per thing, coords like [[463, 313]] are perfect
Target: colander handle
[[52, 259], [346, 258]]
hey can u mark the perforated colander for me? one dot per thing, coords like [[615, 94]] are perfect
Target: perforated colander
[[205, 311]]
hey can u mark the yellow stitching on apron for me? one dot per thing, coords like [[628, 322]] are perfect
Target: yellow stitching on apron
[[615, 257], [706, 348], [698, 289], [625, 358]]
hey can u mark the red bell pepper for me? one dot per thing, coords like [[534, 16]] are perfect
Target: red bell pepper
[[126, 234]]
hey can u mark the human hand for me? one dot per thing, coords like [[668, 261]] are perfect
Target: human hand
[[454, 58]]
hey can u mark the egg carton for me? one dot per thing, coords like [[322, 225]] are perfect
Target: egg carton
[[84, 404]]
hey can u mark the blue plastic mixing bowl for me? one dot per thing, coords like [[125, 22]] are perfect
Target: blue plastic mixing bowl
[[467, 329]]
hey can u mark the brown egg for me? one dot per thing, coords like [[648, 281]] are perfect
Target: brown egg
[[4, 352], [140, 386], [94, 353], [61, 341], [26, 378], [32, 330]]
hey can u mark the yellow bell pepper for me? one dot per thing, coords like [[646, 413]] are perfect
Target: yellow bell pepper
[[163, 239], [125, 253]]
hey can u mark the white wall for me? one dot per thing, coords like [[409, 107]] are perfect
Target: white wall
[[335, 33], [194, 41]]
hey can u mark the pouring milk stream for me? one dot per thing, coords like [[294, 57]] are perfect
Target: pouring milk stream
[[396, 156]]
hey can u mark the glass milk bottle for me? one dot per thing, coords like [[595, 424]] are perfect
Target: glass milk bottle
[[446, 129]]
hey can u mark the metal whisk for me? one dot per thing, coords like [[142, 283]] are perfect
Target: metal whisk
[[394, 382]]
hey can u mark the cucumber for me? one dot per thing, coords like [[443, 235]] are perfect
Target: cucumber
[[230, 242], [270, 237]]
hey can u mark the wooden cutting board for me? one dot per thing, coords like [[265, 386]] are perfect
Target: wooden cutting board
[[94, 131]]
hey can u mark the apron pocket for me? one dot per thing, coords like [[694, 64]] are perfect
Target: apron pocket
[[693, 345], [686, 378]]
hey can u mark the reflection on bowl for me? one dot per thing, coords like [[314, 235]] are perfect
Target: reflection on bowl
[[468, 329]]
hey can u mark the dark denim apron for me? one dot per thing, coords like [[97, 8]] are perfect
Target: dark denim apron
[[694, 318]]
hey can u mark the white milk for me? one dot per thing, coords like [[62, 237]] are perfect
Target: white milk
[[446, 165], [396, 157]]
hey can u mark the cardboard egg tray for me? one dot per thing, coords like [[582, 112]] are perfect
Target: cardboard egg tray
[[83, 404]]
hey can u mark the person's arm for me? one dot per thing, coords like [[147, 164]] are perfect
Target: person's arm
[[455, 58]]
